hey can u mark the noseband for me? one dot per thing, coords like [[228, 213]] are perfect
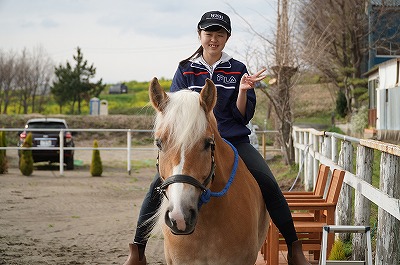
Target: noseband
[[206, 192]]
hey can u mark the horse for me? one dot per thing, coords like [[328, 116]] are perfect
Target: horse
[[213, 211]]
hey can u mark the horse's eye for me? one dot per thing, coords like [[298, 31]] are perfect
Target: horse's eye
[[208, 143], [157, 142]]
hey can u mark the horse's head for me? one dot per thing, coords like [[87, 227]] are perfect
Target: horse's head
[[184, 134]]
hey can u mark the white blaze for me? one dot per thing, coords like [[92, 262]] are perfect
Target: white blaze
[[175, 196]]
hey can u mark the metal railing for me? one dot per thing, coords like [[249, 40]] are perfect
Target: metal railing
[[62, 148], [129, 149]]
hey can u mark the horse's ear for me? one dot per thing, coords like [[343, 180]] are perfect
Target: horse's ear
[[158, 97], [208, 96]]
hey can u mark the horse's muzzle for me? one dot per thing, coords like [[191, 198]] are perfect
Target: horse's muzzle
[[190, 223]]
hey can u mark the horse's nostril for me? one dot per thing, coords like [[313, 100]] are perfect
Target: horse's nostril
[[168, 221]]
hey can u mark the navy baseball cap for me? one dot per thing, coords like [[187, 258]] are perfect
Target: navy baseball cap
[[215, 18]]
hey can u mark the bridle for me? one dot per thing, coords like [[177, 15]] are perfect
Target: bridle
[[206, 192], [180, 178]]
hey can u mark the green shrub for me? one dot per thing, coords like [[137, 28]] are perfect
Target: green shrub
[[359, 120], [96, 167], [338, 251], [3, 155], [26, 160], [341, 104], [335, 129]]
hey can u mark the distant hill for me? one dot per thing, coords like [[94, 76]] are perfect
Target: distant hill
[[312, 103]]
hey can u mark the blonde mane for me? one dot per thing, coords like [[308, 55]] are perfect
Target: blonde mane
[[184, 120]]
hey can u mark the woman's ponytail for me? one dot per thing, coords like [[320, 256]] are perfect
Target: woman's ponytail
[[196, 54]]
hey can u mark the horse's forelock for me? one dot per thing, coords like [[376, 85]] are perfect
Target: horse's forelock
[[183, 119]]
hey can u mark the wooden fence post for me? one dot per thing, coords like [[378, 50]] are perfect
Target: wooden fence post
[[296, 140], [301, 156], [362, 206], [305, 157], [315, 146], [327, 152], [308, 179], [327, 147], [343, 209], [388, 235], [334, 155]]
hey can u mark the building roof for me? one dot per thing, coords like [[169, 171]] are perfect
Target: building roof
[[376, 67], [371, 71]]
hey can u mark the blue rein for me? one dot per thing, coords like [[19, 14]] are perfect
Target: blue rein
[[207, 194]]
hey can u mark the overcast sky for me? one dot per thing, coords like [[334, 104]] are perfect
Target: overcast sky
[[125, 39]]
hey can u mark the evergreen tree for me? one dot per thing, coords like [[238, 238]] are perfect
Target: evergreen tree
[[3, 155], [26, 159], [341, 104], [96, 167], [62, 89], [73, 83]]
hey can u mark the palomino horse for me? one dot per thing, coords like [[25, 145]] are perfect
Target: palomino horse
[[196, 164]]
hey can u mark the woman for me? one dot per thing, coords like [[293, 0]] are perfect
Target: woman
[[236, 102]]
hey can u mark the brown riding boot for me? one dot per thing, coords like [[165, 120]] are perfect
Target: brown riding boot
[[133, 258], [297, 257]]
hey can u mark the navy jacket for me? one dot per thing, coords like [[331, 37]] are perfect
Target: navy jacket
[[226, 75]]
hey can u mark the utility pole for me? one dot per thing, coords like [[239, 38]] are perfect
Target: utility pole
[[283, 71]]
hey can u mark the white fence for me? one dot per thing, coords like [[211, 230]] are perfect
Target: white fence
[[129, 148], [313, 147]]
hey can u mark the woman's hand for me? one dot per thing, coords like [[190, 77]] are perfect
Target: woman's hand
[[247, 81]]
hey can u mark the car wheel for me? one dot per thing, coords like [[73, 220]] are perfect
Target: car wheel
[[70, 163]]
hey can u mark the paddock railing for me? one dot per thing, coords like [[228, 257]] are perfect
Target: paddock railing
[[340, 151], [128, 148]]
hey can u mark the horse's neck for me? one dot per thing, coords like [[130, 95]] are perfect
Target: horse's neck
[[224, 158]]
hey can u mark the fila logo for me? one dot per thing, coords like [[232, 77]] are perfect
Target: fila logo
[[226, 79]]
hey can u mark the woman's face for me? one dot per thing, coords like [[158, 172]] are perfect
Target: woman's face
[[213, 42]]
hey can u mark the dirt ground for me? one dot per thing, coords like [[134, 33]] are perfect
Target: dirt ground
[[73, 219]]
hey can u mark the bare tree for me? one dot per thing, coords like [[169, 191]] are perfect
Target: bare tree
[[42, 72], [24, 82], [7, 79], [339, 35], [23, 78], [283, 68], [334, 40]]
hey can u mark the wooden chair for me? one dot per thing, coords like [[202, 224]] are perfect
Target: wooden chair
[[319, 189], [318, 193], [304, 196], [310, 232]]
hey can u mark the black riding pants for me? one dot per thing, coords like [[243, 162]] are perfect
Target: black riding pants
[[274, 200]]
